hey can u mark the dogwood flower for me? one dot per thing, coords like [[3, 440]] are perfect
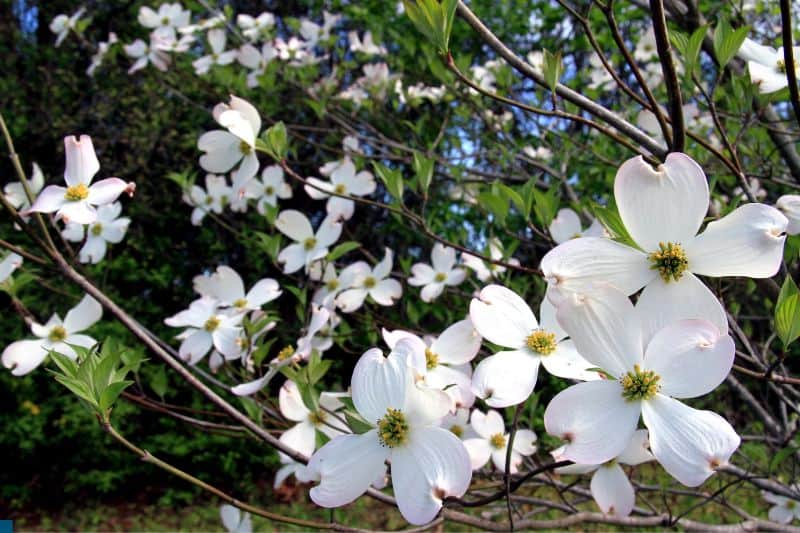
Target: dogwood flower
[[217, 38], [15, 192], [458, 424], [313, 32], [333, 283], [344, 180], [308, 246], [62, 24], [206, 327], [784, 510], [433, 279], [302, 437], [662, 211], [257, 61], [320, 316], [234, 520], [373, 282], [56, 335], [293, 50], [443, 361], [484, 270], [212, 199], [366, 45], [767, 66], [428, 463], [272, 187], [789, 205], [8, 265], [567, 225], [77, 201], [508, 377], [146, 55], [108, 228], [169, 17], [227, 287], [685, 359], [224, 149], [611, 489], [253, 27], [492, 442], [103, 47]]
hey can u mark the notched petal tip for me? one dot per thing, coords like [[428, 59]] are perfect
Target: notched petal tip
[[130, 189]]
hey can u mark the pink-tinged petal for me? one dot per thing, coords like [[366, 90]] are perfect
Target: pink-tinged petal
[[77, 212], [195, 346], [386, 292], [291, 403], [108, 190], [84, 315], [432, 466], [443, 257], [487, 425], [301, 438], [662, 303], [379, 383], [581, 264], [294, 225], [525, 442], [421, 274], [458, 344], [689, 444], [637, 451], [479, 452], [82, 163], [251, 387], [431, 291], [51, 199], [505, 378], [605, 329], [612, 491], [767, 77], [23, 356], [502, 317], [345, 467], [663, 205], [691, 356], [565, 226], [747, 242], [594, 419], [566, 362]]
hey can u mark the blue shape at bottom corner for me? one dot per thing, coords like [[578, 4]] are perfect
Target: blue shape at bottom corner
[[6, 526]]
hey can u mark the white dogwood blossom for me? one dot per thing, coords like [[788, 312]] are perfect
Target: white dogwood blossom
[[485, 270], [302, 437], [492, 442], [308, 246], [108, 228], [373, 282], [443, 273], [217, 39], [567, 225], [428, 463], [62, 24], [224, 149], [254, 27], [784, 510], [234, 520], [345, 181], [789, 205], [227, 287], [206, 327], [145, 54], [767, 66]]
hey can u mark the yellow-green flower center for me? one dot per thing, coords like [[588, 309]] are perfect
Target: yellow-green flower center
[[542, 342], [370, 282], [332, 284], [285, 354], [340, 189], [317, 418], [57, 334], [77, 192], [165, 21], [209, 200], [497, 441], [393, 428], [791, 504], [310, 243], [240, 303], [639, 384], [670, 261], [440, 277], [431, 359], [245, 148], [211, 324], [269, 190], [457, 430], [97, 229]]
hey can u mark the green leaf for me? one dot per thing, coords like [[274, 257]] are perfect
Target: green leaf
[[513, 196], [356, 423], [545, 205], [318, 372], [727, 41], [787, 312], [423, 168], [275, 142], [693, 47], [110, 394], [341, 249], [160, 382], [433, 19], [496, 205], [552, 69], [780, 457], [610, 219], [392, 179]]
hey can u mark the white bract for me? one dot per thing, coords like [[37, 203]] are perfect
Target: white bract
[[685, 359], [373, 282], [662, 211], [62, 24], [784, 510], [254, 27], [458, 424], [485, 270], [344, 181], [434, 279], [611, 489], [443, 361], [169, 17], [271, 187], [227, 287], [234, 520], [146, 55], [15, 191], [492, 443], [8, 265], [217, 39], [767, 65], [567, 225], [308, 246], [428, 463], [212, 199], [225, 149], [333, 283], [257, 61], [108, 228], [77, 201], [56, 335], [366, 45], [206, 327], [789, 204], [508, 377], [302, 437]]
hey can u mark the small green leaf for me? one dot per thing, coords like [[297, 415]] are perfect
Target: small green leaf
[[610, 219], [341, 249], [160, 382], [545, 205], [423, 168], [552, 69], [727, 41], [787, 312], [275, 142], [392, 179]]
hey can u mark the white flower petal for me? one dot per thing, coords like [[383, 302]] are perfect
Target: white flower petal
[[565, 225], [195, 346], [51, 199], [82, 163], [294, 225], [379, 383], [23, 356], [106, 191], [84, 315], [291, 403], [386, 292], [637, 451], [505, 378], [689, 444], [431, 291], [458, 344], [487, 425], [479, 452], [525, 442], [301, 438], [566, 362], [747, 242], [502, 317], [443, 257], [594, 419], [293, 258], [612, 491]]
